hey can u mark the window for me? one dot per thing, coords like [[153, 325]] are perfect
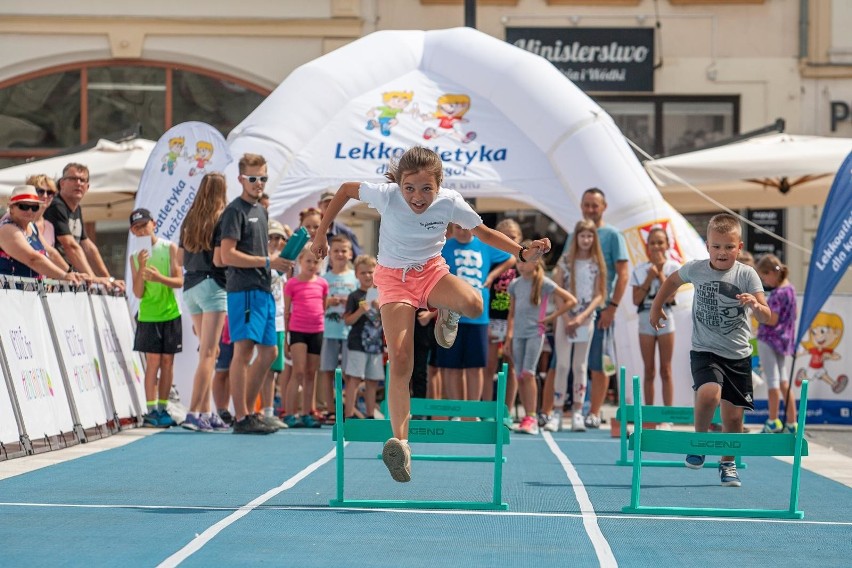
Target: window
[[59, 108], [664, 125]]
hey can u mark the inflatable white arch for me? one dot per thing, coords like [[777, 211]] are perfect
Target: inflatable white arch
[[505, 121]]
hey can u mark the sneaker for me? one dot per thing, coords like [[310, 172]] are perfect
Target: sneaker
[[447, 327], [577, 422], [728, 474], [217, 422], [226, 417], [252, 424], [397, 458], [272, 422], [792, 428], [293, 421], [554, 423], [152, 419], [773, 427], [310, 422], [542, 419], [166, 421], [694, 461], [192, 422], [593, 421], [529, 425]]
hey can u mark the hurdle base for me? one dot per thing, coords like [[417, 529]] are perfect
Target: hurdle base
[[442, 458], [675, 463], [401, 504], [713, 512]]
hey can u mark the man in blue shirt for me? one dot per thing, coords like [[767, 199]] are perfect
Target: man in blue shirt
[[478, 264]]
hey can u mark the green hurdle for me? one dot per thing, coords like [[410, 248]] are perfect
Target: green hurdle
[[742, 444], [490, 430], [674, 414]]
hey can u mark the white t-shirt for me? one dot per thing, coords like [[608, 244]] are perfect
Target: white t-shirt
[[407, 238], [640, 273]]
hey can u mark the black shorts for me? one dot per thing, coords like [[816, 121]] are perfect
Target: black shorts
[[312, 340], [470, 350], [734, 375], [164, 337]]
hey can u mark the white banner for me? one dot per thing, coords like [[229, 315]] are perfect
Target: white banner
[[35, 371], [118, 368], [8, 426], [167, 189], [75, 330], [132, 359]]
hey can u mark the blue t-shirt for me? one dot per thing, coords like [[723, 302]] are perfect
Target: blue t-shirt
[[340, 285], [472, 262]]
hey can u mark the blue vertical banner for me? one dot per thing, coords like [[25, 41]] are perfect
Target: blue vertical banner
[[832, 250]]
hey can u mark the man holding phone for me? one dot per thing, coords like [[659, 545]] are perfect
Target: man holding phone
[[251, 306]]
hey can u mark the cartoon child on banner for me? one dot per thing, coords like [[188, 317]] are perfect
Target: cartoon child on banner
[[384, 117], [451, 109], [823, 338], [203, 154], [175, 152]]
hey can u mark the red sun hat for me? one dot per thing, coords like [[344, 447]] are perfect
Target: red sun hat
[[24, 194]]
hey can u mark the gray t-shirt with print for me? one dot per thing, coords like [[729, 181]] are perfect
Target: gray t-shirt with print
[[527, 314], [720, 324]]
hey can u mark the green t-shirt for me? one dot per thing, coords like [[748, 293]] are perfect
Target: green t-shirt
[[158, 301]]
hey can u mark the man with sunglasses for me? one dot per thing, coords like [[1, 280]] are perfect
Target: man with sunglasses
[[244, 250], [66, 215]]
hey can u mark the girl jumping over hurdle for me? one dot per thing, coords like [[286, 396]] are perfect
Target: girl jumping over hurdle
[[411, 273]]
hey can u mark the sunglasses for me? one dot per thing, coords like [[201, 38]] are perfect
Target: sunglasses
[[28, 206], [42, 192], [253, 179], [77, 179]]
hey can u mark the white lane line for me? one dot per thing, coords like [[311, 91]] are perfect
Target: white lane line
[[590, 519], [327, 509], [211, 532]]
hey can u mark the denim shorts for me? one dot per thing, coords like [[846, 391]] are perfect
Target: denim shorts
[[205, 297]]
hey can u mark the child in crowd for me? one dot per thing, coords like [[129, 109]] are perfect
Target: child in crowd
[[498, 316], [526, 328], [364, 360], [221, 388], [305, 299], [411, 272], [582, 271], [341, 283], [278, 235], [776, 340], [159, 333], [204, 294], [646, 281], [721, 352]]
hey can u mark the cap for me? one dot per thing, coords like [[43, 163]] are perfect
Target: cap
[[24, 194], [140, 214], [326, 195], [276, 228]]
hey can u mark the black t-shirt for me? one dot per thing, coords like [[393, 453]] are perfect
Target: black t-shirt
[[247, 224], [65, 222], [365, 335], [199, 265]]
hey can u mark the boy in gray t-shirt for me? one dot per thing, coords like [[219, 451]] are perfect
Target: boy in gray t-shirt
[[721, 352]]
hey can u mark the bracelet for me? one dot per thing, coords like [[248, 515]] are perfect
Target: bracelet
[[614, 304], [267, 263], [521, 253]]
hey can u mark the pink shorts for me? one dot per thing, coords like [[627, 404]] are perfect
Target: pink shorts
[[409, 286]]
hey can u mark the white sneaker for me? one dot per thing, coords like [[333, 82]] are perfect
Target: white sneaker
[[447, 327], [554, 423], [397, 457], [577, 423]]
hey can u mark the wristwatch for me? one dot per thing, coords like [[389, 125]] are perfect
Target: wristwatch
[[111, 279]]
